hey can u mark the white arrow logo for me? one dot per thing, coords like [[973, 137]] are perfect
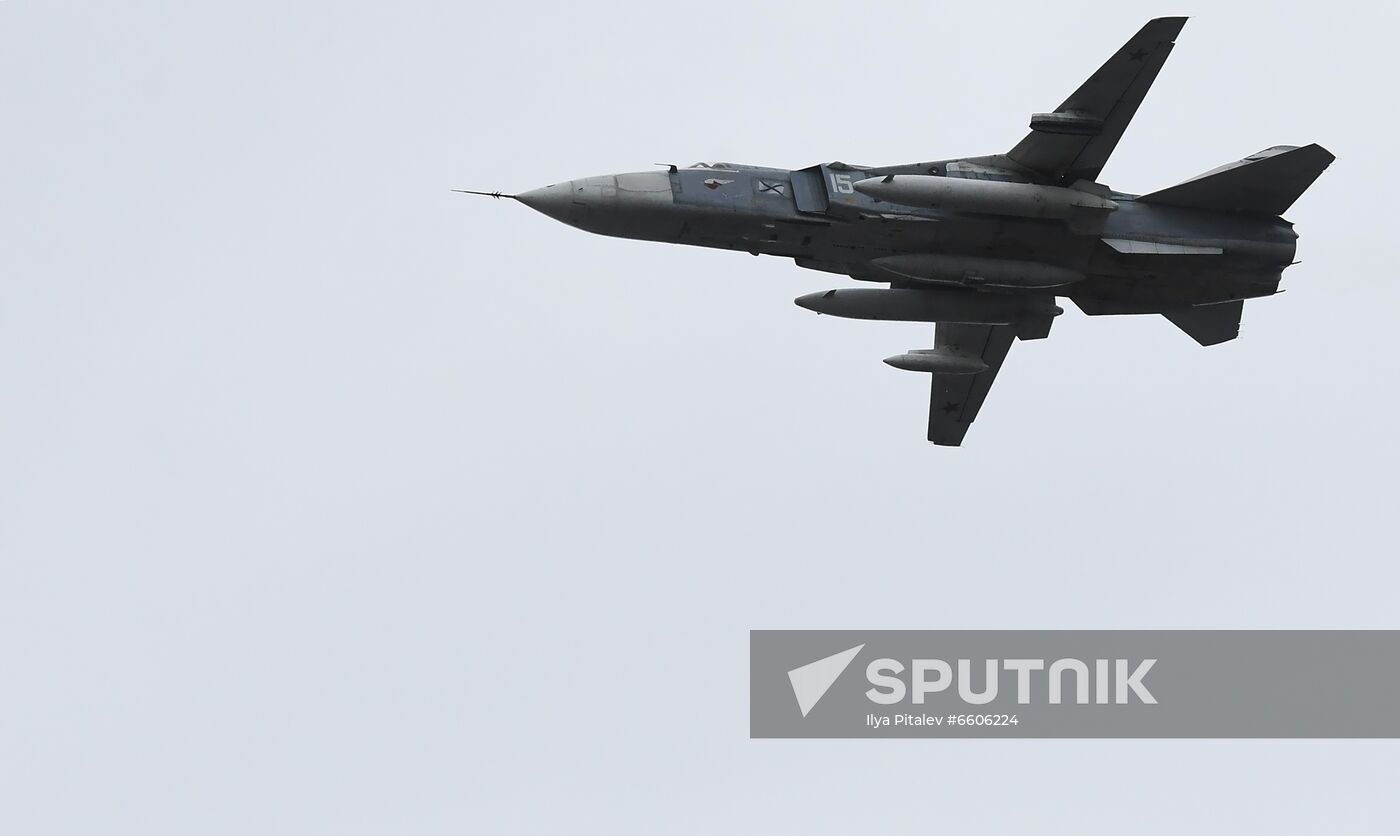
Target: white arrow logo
[[811, 681]]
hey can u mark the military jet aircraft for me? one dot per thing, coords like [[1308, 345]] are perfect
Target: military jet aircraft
[[983, 246]]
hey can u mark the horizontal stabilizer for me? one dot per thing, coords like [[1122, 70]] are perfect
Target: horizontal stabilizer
[[1266, 183], [1209, 324]]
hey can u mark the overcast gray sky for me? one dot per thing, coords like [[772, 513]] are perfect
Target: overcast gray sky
[[333, 502]]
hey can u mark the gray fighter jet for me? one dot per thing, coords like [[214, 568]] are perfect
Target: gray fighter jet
[[983, 246]]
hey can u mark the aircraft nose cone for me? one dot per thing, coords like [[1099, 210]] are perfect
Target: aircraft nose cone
[[555, 201]]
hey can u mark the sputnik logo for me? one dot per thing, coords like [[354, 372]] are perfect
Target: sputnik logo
[[811, 681]]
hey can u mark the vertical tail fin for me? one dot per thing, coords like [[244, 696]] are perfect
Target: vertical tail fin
[[1264, 183]]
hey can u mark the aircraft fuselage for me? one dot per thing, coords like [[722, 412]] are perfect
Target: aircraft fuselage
[[1159, 255]]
